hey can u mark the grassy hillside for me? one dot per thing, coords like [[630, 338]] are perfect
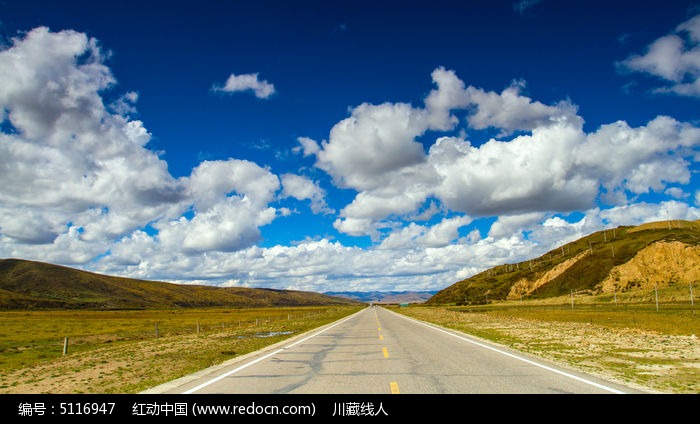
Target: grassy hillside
[[621, 259], [37, 285]]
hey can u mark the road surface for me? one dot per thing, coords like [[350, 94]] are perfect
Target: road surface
[[377, 351]]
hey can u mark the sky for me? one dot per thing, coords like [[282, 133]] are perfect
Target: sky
[[339, 145]]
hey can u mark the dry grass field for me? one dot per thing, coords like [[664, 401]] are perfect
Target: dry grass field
[[655, 351], [113, 352], [131, 351]]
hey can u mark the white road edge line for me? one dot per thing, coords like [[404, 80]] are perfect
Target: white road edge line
[[262, 358], [583, 380]]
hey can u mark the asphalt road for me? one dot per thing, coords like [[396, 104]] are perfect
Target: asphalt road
[[377, 351]]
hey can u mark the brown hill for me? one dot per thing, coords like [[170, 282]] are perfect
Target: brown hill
[[37, 285], [625, 259]]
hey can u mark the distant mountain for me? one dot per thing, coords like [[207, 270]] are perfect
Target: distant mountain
[[664, 254], [386, 296], [38, 285]]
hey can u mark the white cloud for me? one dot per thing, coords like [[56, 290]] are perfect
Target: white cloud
[[449, 95], [125, 104], [530, 173], [247, 82], [373, 141], [212, 181], [641, 159], [68, 159], [510, 111], [641, 213], [308, 146], [554, 166], [375, 152], [356, 226], [302, 188], [76, 175], [439, 235], [674, 58], [507, 225], [676, 193], [316, 265], [227, 226], [78, 184]]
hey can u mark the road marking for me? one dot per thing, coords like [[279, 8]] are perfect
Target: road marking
[[262, 358], [394, 387], [386, 352], [381, 337], [565, 374]]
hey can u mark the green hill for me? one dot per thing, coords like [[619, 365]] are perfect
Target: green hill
[[37, 285], [618, 260]]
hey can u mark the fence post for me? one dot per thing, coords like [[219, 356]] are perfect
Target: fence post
[[156, 330], [65, 346], [691, 295], [572, 299]]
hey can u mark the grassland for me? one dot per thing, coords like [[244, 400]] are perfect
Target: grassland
[[632, 343], [130, 351]]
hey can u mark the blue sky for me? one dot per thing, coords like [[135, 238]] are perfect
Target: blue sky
[[339, 145]]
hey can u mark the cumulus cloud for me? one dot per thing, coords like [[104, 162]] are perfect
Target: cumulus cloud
[[510, 111], [641, 213], [529, 173], [212, 181], [307, 146], [676, 192], [247, 82], [549, 164], [439, 235], [373, 141], [302, 188], [639, 160], [125, 104], [227, 226], [318, 265], [66, 159], [510, 224], [79, 185], [76, 175], [674, 58], [375, 151]]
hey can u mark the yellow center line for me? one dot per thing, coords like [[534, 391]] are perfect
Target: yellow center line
[[394, 386], [386, 352], [381, 337]]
